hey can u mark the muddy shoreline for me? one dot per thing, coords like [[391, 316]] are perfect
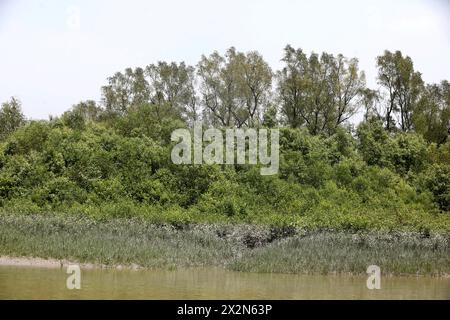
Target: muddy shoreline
[[36, 262]]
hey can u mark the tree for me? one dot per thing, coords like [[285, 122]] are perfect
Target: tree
[[235, 89], [370, 100], [292, 87], [124, 90], [173, 86], [432, 115], [319, 92], [167, 86], [85, 111], [403, 86], [348, 83], [255, 81], [11, 117]]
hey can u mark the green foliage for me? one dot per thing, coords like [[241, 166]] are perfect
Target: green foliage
[[436, 179], [27, 138], [11, 117], [372, 141], [402, 153], [82, 113], [318, 92], [148, 120], [432, 115], [58, 191], [235, 88], [374, 180], [113, 159], [403, 86], [407, 152]]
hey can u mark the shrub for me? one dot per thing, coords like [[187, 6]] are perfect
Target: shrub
[[436, 179]]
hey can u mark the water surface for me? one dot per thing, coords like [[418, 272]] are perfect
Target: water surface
[[211, 283]]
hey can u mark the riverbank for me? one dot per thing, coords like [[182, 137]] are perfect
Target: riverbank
[[50, 263], [41, 263], [135, 243]]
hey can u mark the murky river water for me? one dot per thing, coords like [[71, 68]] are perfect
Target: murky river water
[[50, 283]]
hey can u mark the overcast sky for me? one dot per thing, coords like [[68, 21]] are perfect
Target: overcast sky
[[55, 53]]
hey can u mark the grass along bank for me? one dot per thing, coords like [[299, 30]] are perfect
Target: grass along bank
[[253, 248]]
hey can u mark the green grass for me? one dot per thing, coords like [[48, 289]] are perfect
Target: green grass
[[240, 247], [119, 241], [326, 252]]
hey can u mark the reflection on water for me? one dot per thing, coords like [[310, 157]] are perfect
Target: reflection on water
[[43, 283]]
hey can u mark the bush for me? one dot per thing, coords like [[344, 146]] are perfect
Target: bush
[[122, 168], [436, 179], [58, 191]]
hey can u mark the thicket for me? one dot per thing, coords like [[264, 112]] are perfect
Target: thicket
[[113, 159]]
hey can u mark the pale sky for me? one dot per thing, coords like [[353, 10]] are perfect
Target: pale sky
[[54, 54]]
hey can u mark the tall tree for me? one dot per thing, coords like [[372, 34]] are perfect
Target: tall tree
[[11, 117], [403, 86], [319, 92], [432, 114], [172, 86], [125, 90], [348, 84], [235, 88], [293, 85], [255, 81], [169, 86], [370, 100]]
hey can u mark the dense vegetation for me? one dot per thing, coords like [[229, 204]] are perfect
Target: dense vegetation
[[138, 242], [112, 159]]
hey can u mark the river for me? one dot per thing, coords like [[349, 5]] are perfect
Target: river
[[211, 283]]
